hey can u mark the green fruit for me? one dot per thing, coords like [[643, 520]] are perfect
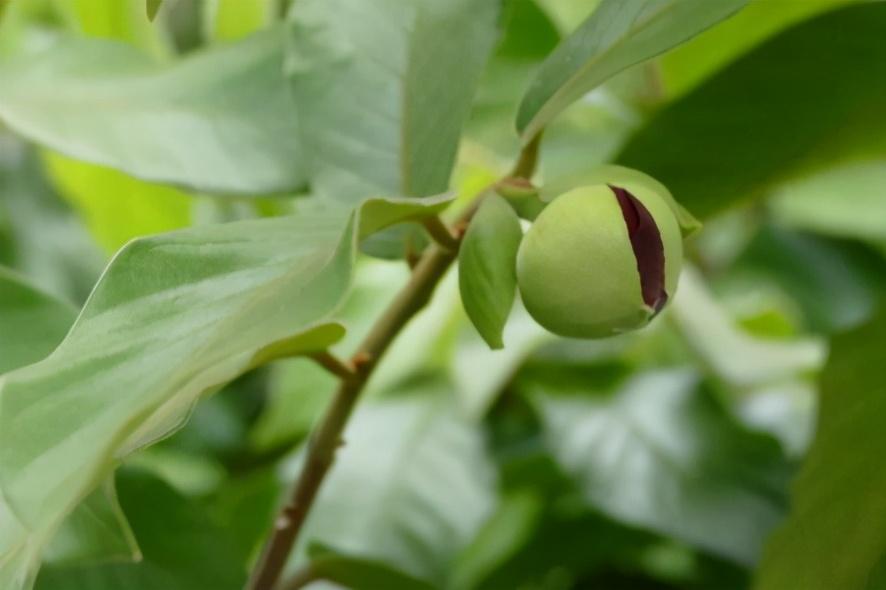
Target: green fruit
[[600, 260]]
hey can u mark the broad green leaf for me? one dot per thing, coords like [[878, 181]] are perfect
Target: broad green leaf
[[617, 35], [688, 65], [383, 88], [173, 317], [729, 139], [222, 120], [662, 455], [738, 358], [833, 537], [32, 323], [117, 207], [487, 268], [225, 20], [425, 486], [183, 548], [356, 573], [845, 201]]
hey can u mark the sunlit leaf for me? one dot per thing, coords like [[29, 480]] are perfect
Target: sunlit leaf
[[833, 537], [173, 317], [153, 7], [225, 20], [222, 120], [617, 35]]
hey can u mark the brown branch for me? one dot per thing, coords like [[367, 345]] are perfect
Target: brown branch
[[327, 437], [333, 364]]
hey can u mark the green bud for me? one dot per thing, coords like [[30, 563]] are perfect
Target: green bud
[[600, 260]]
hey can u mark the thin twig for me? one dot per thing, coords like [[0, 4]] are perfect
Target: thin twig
[[327, 437], [341, 369], [440, 233]]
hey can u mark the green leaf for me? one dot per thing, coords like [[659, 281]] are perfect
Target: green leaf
[[845, 201], [360, 574], [152, 7], [184, 549], [383, 88], [690, 64], [617, 35], [487, 268], [222, 120], [117, 207], [833, 537], [662, 455], [32, 323], [728, 140], [506, 531], [738, 358], [426, 485], [173, 317]]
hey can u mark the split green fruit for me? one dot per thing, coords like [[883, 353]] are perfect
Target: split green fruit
[[600, 260]]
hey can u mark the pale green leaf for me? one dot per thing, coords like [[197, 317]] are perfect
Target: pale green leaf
[[617, 35], [426, 486], [487, 268], [728, 140], [173, 317], [662, 455], [383, 88], [222, 120], [834, 536]]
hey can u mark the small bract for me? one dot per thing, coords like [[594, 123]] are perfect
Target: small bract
[[600, 260]]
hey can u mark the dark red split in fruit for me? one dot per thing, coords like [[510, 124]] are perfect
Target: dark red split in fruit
[[647, 245]]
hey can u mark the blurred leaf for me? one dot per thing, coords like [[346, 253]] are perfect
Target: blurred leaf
[[835, 284], [527, 33], [833, 538], [151, 341], [383, 88], [183, 549], [220, 121], [425, 486], [152, 7], [487, 268], [506, 531], [792, 104], [32, 323], [617, 35], [690, 64], [225, 20], [244, 504], [359, 574], [846, 201], [120, 20], [736, 357], [480, 374], [117, 207], [661, 455]]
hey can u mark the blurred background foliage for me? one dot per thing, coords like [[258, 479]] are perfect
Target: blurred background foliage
[[661, 459]]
